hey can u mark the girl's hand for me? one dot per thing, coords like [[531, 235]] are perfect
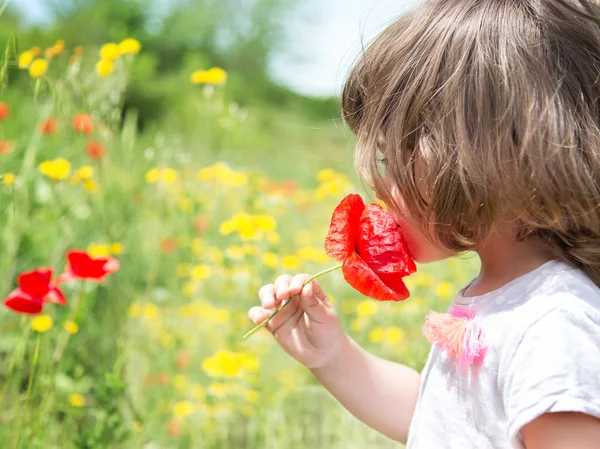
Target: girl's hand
[[308, 329]]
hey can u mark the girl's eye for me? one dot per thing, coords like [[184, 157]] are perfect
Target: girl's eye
[[383, 161]]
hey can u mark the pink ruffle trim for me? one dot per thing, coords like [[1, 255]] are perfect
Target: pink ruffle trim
[[458, 334]]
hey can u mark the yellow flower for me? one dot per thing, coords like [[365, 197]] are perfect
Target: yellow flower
[[183, 409], [216, 75], [444, 290], [150, 311], [265, 222], [327, 175], [110, 51], [25, 59], [105, 67], [83, 173], [38, 68], [42, 323], [116, 248], [376, 335], [130, 47], [71, 327], [138, 427], [76, 400], [290, 262], [223, 363], [98, 250], [90, 185], [8, 179], [367, 307], [200, 272], [134, 310], [270, 260], [248, 361], [169, 176], [312, 254], [394, 335], [153, 176], [57, 169]]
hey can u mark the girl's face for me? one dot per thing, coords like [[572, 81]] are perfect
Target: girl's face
[[422, 249]]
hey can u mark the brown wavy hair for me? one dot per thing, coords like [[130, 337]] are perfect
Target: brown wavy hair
[[496, 102]]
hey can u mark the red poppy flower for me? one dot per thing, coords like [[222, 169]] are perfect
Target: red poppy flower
[[95, 150], [35, 289], [4, 111], [82, 123], [5, 146], [168, 245], [200, 224], [82, 266], [48, 126], [370, 245]]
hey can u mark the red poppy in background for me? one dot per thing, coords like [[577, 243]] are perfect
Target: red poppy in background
[[48, 126], [200, 224], [82, 123], [370, 245], [4, 111], [5, 146], [168, 245], [95, 149], [35, 289], [82, 266]]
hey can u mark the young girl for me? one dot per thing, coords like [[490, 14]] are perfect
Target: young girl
[[486, 115]]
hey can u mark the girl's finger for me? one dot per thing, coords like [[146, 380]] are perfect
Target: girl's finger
[[297, 283], [282, 287], [257, 314], [266, 294]]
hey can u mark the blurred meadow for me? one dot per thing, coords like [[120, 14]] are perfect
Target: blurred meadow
[[159, 140]]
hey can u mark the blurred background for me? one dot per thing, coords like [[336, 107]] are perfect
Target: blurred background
[[199, 145]]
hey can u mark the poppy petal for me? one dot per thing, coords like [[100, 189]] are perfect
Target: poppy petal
[[56, 296], [360, 276], [21, 302], [82, 266], [36, 282], [343, 228], [381, 245]]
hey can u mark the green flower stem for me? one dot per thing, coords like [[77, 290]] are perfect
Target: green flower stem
[[36, 355], [312, 278], [64, 339], [19, 352]]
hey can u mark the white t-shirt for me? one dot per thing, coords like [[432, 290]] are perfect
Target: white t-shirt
[[543, 335]]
